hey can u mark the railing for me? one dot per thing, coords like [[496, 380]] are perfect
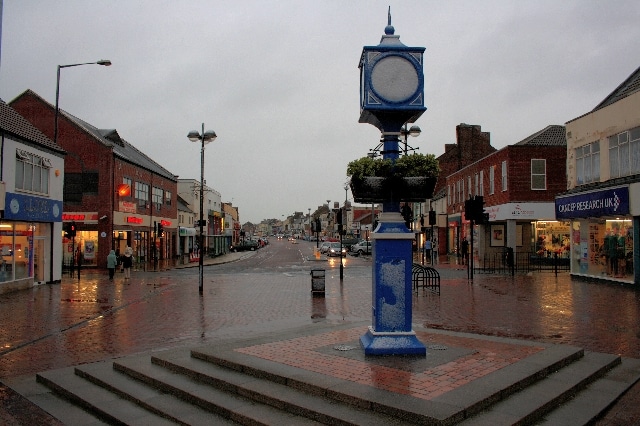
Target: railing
[[498, 263]]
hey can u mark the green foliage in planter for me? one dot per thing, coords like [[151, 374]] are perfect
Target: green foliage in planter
[[414, 165]]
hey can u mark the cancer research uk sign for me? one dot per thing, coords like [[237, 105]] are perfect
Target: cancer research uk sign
[[609, 202]]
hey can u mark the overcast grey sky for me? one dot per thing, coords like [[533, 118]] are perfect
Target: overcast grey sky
[[278, 80]]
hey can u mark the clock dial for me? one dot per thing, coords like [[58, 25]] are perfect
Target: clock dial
[[394, 79], [14, 205]]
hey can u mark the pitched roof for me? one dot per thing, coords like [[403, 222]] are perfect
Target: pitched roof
[[121, 148], [12, 122], [553, 135], [629, 86], [183, 206]]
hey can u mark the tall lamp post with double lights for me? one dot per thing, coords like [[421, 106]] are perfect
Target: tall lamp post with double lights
[[204, 138], [106, 63]]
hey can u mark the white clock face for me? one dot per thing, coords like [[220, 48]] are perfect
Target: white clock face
[[394, 79], [14, 206]]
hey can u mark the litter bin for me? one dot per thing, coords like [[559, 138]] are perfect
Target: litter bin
[[317, 282]]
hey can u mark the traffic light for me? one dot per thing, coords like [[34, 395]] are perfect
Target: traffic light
[[69, 229], [160, 230], [468, 209], [479, 215], [432, 217], [318, 225], [339, 217]]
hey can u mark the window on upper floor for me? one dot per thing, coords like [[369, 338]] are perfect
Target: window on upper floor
[[492, 179], [624, 153], [142, 194], [32, 172], [538, 174], [167, 198], [588, 163], [481, 183], [129, 182], [477, 184], [156, 198], [469, 187], [449, 192], [504, 175]]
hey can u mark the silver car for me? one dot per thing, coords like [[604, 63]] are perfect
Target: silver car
[[363, 247], [324, 247], [335, 250]]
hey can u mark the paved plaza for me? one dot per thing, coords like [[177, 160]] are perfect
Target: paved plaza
[[93, 319]]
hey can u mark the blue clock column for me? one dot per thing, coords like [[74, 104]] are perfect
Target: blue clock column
[[392, 88]]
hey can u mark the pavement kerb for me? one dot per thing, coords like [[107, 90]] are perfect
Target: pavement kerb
[[219, 260]]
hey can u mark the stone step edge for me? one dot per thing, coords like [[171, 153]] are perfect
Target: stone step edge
[[475, 397], [66, 384], [102, 374], [275, 394], [233, 407], [556, 389], [599, 396]]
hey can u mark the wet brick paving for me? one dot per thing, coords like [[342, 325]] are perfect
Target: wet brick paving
[[54, 326]]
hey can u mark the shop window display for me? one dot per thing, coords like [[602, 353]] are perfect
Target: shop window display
[[16, 244], [552, 238], [604, 248]]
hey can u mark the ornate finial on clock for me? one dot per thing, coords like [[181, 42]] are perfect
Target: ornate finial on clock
[[389, 30]]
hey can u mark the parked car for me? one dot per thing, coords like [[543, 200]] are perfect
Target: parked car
[[349, 241], [245, 245], [335, 250], [324, 247], [363, 247]]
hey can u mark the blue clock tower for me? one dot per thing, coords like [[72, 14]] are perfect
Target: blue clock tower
[[391, 94]]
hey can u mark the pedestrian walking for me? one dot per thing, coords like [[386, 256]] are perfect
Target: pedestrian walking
[[79, 259], [112, 262], [465, 251], [427, 249], [127, 262]]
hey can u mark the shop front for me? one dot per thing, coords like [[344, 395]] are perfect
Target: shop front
[[85, 244], [603, 239], [186, 243], [143, 235], [26, 234]]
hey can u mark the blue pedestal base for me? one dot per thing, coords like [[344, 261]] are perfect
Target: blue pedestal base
[[392, 343]]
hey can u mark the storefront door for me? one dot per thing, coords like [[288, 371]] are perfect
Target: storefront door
[[38, 259]]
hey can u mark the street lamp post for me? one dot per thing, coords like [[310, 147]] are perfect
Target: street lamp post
[[204, 138], [104, 62]]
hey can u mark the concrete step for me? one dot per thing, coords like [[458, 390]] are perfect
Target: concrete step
[[230, 406], [63, 410], [532, 403], [596, 398], [100, 402], [165, 405], [265, 391], [217, 384], [451, 407]]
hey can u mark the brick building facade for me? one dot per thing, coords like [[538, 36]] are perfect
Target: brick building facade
[[116, 195], [519, 184]]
